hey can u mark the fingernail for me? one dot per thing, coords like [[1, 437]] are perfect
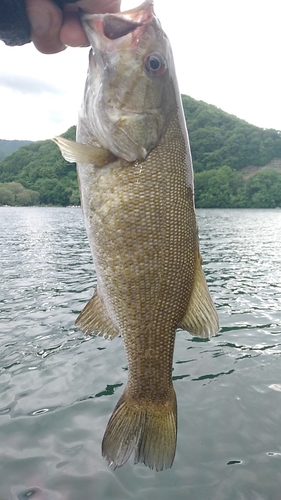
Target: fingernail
[[40, 23]]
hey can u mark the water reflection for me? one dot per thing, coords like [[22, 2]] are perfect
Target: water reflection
[[26, 495], [58, 388]]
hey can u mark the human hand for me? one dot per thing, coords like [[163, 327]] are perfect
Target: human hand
[[52, 29]]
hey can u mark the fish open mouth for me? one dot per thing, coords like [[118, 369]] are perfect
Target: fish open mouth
[[121, 43], [114, 26]]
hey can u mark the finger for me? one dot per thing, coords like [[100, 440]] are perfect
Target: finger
[[45, 20], [72, 33], [99, 6]]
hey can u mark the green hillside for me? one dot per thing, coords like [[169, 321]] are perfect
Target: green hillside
[[218, 138], [41, 168], [236, 165], [7, 147]]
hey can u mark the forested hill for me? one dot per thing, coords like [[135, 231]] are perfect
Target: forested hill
[[218, 138], [7, 147], [41, 168], [236, 164]]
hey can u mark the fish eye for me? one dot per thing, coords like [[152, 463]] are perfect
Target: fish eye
[[155, 64]]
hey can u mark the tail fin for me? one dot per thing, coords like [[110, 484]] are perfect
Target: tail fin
[[149, 427]]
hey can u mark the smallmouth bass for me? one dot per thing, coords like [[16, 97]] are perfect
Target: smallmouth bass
[[136, 183]]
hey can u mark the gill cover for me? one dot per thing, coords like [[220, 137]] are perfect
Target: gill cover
[[129, 90]]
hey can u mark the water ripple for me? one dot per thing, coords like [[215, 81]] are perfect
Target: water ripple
[[58, 388]]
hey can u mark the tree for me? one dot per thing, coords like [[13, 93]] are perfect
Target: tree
[[6, 196], [74, 197], [221, 144], [13, 193], [264, 189], [218, 138], [219, 188]]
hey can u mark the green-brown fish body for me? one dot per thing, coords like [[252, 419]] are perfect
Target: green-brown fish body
[[136, 182]]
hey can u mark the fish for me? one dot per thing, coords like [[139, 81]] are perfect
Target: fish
[[135, 175]]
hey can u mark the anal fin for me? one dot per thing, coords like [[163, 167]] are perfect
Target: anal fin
[[94, 319], [201, 318]]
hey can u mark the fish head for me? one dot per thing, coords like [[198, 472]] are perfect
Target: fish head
[[129, 92]]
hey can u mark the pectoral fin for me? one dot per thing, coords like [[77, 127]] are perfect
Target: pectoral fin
[[201, 317], [94, 319], [83, 153]]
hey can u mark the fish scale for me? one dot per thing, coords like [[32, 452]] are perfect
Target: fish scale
[[136, 180]]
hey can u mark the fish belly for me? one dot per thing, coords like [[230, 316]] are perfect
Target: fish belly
[[142, 231]]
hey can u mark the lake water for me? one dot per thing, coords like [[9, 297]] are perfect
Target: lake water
[[58, 389]]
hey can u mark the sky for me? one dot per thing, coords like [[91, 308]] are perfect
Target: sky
[[227, 53]]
